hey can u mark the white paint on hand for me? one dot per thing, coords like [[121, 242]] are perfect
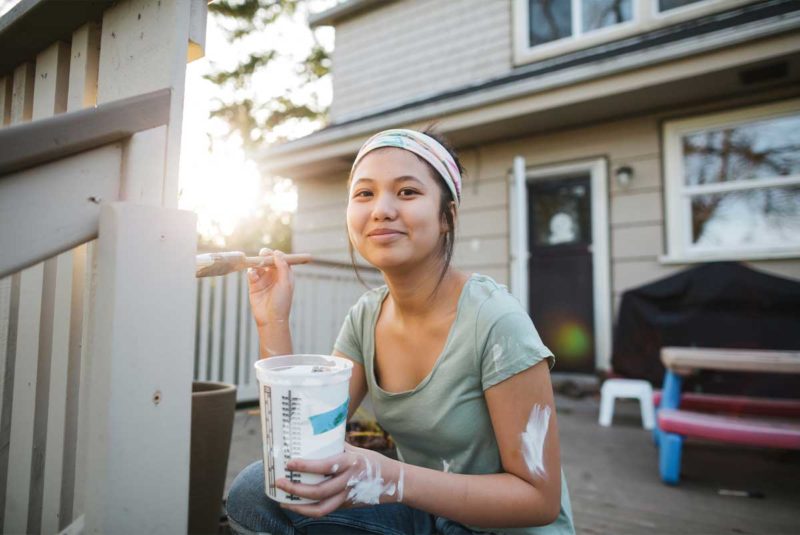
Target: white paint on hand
[[533, 439], [335, 468], [445, 466], [368, 486]]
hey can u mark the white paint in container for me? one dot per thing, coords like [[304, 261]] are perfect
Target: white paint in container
[[303, 402]]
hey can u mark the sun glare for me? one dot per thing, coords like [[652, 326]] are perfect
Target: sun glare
[[216, 179], [220, 186]]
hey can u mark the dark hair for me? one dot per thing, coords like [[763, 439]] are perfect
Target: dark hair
[[445, 213]]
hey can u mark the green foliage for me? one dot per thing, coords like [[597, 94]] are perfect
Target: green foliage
[[252, 15], [317, 64], [247, 115], [242, 73]]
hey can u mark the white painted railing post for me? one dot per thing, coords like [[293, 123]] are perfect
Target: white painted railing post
[[140, 366], [141, 371]]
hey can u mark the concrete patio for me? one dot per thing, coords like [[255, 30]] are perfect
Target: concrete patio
[[613, 478]]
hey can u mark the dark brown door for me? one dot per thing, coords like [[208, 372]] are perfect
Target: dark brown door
[[560, 268]]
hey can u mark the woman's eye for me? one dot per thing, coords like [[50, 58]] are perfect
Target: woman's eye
[[407, 192], [362, 193]]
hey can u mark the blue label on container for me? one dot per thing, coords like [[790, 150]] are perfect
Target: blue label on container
[[329, 420]]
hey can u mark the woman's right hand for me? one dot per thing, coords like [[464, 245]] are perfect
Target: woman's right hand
[[271, 290]]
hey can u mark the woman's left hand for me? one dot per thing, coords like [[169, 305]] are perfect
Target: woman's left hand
[[359, 477]]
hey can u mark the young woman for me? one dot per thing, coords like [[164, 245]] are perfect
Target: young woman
[[455, 370]]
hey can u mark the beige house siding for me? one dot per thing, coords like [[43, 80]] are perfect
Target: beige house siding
[[319, 224], [636, 212], [423, 44]]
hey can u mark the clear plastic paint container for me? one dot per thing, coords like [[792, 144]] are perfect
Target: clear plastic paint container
[[303, 401]]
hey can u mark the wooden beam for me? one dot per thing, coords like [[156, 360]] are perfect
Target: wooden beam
[[5, 100], [33, 228], [133, 61], [21, 95], [45, 140], [50, 98], [140, 402], [684, 359], [16, 424], [82, 93]]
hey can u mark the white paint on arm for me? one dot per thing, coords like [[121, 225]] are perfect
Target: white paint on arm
[[400, 485], [533, 439]]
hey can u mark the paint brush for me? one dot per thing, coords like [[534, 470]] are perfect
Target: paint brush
[[217, 264]]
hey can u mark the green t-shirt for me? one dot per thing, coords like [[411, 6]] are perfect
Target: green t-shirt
[[444, 422]]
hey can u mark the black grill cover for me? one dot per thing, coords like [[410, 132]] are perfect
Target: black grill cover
[[721, 304]]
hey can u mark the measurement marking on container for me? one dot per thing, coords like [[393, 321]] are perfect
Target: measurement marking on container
[[270, 445], [290, 406]]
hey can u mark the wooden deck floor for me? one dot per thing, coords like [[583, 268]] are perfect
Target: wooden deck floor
[[613, 479]]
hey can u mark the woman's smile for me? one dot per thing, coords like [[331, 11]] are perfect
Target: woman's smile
[[383, 235]]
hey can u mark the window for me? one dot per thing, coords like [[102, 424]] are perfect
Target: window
[[666, 5], [551, 20], [733, 184], [546, 28]]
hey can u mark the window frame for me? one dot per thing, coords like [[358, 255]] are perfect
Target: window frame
[[645, 17], [678, 224]]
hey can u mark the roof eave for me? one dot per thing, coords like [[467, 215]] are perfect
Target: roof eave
[[341, 142], [341, 11]]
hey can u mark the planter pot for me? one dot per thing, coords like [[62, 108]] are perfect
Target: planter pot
[[213, 407]]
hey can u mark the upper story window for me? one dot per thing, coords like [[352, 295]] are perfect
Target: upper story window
[[545, 28], [551, 20], [732, 184], [666, 5]]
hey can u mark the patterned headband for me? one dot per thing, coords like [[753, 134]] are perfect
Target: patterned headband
[[423, 146]]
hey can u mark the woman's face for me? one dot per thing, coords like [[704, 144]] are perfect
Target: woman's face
[[393, 210]]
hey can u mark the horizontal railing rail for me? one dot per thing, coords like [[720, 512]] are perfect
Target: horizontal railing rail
[[38, 142]]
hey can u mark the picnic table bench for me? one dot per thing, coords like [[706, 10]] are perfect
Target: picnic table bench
[[768, 422]]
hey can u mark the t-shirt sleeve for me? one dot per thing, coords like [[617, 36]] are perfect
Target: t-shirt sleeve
[[512, 345], [350, 341]]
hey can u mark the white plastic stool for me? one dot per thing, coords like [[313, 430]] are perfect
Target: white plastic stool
[[627, 388]]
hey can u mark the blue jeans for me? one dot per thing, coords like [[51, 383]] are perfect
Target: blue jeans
[[251, 512]]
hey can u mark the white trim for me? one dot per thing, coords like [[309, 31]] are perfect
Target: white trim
[[703, 6], [645, 17], [678, 196], [518, 212], [601, 257], [723, 187], [670, 260]]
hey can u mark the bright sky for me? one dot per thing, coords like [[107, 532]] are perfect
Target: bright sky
[[220, 184], [216, 180]]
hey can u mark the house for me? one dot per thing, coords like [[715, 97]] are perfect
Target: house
[[607, 143]]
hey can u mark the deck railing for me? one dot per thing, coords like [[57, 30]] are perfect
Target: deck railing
[[96, 266], [226, 341]]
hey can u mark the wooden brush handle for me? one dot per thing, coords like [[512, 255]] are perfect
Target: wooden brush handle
[[265, 261], [217, 264]]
